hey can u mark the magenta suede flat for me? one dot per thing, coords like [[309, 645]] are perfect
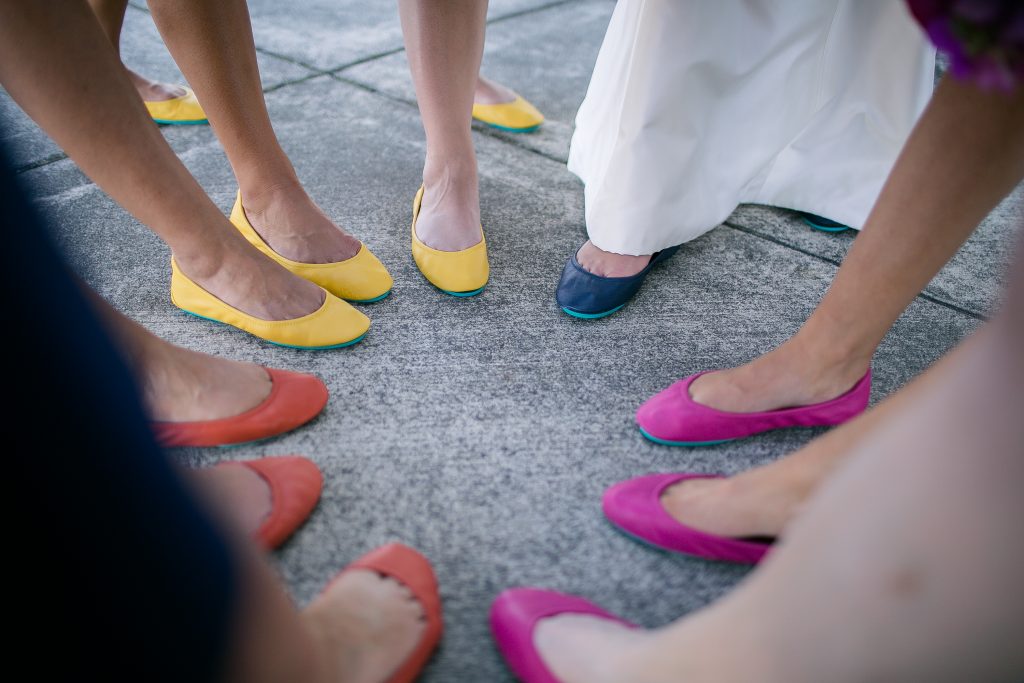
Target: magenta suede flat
[[634, 506], [514, 616], [673, 418]]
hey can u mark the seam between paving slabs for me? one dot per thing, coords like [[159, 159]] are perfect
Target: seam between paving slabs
[[477, 128], [923, 295]]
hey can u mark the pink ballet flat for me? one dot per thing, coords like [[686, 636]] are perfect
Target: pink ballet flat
[[514, 617], [672, 418], [635, 508]]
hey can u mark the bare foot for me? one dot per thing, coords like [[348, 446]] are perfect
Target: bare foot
[[240, 492], [607, 264], [579, 648], [786, 377], [295, 227], [153, 91], [366, 625], [751, 504], [249, 281], [490, 92], [449, 218], [179, 385]]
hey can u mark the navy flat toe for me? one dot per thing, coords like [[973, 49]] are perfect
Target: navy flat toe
[[584, 295]]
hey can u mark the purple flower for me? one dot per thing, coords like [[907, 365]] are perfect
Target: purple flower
[[984, 39], [978, 11]]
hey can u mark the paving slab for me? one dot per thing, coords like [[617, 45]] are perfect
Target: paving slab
[[328, 34], [973, 278], [143, 50], [484, 430], [530, 53]]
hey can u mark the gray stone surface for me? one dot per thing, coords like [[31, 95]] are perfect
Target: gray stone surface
[[483, 431], [142, 50], [530, 54], [328, 34], [972, 279]]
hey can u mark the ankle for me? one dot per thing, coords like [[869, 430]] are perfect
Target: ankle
[[451, 172], [200, 266], [834, 362], [776, 500], [257, 197]]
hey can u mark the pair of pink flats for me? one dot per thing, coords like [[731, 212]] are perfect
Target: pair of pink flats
[[673, 418]]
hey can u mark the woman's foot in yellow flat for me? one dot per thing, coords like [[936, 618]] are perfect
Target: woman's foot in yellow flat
[[491, 92], [295, 227], [246, 280], [333, 324], [449, 214], [461, 273], [501, 107], [154, 91], [286, 225], [168, 103]]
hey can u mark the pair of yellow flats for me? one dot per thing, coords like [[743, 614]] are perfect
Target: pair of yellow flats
[[517, 116], [360, 279]]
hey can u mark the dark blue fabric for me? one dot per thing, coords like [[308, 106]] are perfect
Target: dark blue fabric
[[584, 292], [116, 573]]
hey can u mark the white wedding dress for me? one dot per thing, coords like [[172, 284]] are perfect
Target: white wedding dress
[[696, 106]]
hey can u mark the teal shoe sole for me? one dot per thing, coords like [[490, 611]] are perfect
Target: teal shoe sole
[[644, 541], [825, 228], [590, 316], [289, 346], [687, 444], [197, 122], [375, 299], [463, 295], [510, 130]]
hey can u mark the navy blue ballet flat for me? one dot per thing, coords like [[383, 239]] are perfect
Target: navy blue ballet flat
[[584, 295], [822, 223]]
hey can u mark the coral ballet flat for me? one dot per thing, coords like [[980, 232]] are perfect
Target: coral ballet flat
[[459, 273], [294, 400], [295, 484], [634, 507], [361, 279], [413, 570], [673, 418], [334, 325], [517, 116], [183, 110], [514, 617]]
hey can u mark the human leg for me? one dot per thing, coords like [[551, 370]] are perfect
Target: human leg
[[901, 568], [968, 151], [213, 45], [444, 43], [127, 571], [110, 14], [107, 132]]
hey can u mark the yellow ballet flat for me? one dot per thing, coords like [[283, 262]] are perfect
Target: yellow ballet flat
[[459, 273], [178, 111], [517, 116], [361, 279], [333, 325]]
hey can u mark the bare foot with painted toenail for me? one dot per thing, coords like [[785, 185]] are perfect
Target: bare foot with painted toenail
[[365, 626]]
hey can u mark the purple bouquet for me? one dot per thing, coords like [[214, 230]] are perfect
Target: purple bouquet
[[984, 39]]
